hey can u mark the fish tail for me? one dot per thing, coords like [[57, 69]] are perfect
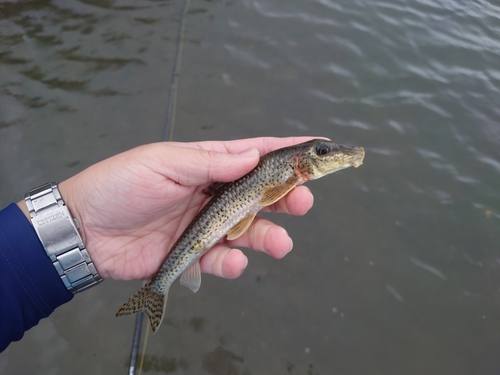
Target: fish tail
[[148, 300]]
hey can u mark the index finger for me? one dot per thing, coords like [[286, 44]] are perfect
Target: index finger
[[262, 144]]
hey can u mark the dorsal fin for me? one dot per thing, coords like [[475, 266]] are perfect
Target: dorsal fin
[[213, 188]]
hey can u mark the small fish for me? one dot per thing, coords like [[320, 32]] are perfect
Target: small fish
[[231, 211]]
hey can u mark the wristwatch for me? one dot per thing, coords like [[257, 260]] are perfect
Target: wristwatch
[[57, 231]]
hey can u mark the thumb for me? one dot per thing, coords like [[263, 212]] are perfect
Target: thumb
[[194, 167]]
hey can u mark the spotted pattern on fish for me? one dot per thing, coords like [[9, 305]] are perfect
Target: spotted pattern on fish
[[276, 174]]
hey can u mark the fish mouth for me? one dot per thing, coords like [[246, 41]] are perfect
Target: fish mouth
[[358, 159]]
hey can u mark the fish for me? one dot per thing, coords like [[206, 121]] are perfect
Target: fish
[[230, 212]]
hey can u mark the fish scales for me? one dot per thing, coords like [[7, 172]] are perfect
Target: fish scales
[[235, 200], [232, 209]]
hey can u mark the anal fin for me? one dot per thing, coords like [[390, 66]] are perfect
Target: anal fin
[[191, 277]]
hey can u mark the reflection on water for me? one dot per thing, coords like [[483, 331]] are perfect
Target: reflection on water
[[222, 361], [395, 270], [162, 365]]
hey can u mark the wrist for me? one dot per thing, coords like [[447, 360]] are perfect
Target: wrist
[[71, 201], [71, 193], [24, 209]]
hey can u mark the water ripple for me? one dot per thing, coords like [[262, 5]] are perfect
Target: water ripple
[[337, 69], [438, 162], [351, 123], [490, 161], [394, 293], [349, 44], [426, 100], [247, 57], [461, 73], [426, 72], [428, 268], [463, 41], [323, 95], [400, 128], [384, 151], [265, 9], [403, 10]]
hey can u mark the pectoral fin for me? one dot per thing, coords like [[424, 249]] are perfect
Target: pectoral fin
[[275, 193], [241, 227], [191, 277]]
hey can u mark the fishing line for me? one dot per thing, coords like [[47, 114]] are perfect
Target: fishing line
[[167, 136], [146, 337]]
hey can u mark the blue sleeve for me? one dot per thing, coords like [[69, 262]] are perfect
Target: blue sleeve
[[30, 288]]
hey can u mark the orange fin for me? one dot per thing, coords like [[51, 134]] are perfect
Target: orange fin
[[241, 227], [275, 193]]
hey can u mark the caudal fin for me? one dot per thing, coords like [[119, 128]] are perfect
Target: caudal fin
[[148, 300]]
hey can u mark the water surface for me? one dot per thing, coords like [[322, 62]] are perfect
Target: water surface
[[395, 269]]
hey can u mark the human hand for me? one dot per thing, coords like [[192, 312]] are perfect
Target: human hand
[[133, 206]]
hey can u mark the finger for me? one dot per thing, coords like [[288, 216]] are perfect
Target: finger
[[267, 237], [224, 262], [192, 167], [263, 144], [297, 202]]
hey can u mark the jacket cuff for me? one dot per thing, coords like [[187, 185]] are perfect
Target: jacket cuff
[[30, 287]]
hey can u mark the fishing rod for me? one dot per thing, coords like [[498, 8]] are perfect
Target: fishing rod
[[136, 342], [167, 136], [172, 98]]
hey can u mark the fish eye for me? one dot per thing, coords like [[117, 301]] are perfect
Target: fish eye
[[322, 149]]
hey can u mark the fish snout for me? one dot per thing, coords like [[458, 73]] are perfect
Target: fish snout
[[356, 154]]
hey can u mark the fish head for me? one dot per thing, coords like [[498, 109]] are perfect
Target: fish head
[[321, 157]]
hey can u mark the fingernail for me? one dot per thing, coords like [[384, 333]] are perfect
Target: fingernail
[[312, 202], [245, 266], [250, 153], [290, 246]]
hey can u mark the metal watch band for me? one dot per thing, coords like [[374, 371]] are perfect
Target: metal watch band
[[60, 238]]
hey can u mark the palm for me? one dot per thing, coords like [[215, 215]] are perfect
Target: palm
[[138, 242]]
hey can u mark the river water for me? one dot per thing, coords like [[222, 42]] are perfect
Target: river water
[[396, 268]]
